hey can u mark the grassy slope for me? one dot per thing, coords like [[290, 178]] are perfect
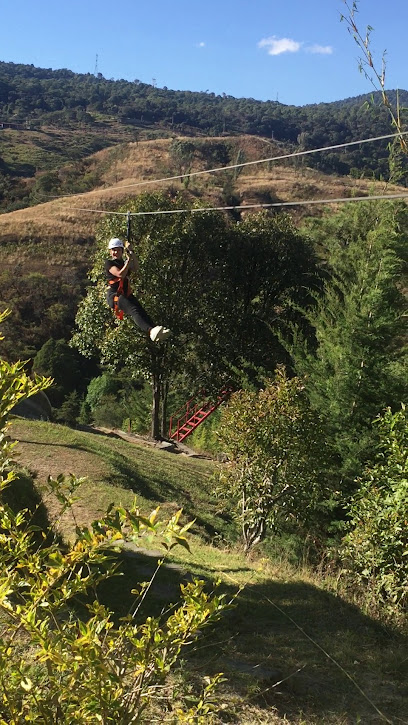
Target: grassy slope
[[61, 223], [260, 632], [49, 148]]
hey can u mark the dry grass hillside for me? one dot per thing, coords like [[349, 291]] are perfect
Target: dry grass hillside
[[128, 169]]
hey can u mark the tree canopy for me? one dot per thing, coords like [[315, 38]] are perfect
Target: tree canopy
[[356, 365], [221, 286]]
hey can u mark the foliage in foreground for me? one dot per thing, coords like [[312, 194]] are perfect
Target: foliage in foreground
[[63, 657], [375, 549], [277, 458]]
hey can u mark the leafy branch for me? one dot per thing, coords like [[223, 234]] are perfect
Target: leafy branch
[[368, 66]]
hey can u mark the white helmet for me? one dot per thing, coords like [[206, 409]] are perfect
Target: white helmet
[[115, 242]]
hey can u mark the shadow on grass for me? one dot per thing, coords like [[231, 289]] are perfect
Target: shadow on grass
[[122, 471], [21, 494], [135, 567], [125, 473], [257, 644]]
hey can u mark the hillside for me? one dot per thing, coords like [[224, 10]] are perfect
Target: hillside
[[53, 240], [50, 117], [121, 171], [291, 649]]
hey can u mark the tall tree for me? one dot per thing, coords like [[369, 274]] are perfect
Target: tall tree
[[57, 360], [357, 363], [174, 253], [220, 286], [277, 456]]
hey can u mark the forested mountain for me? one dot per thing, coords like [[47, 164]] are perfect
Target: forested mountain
[[33, 98]]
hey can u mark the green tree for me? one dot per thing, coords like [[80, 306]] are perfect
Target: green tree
[[176, 254], [56, 359], [356, 365], [375, 548], [113, 399], [70, 409], [182, 153], [220, 286], [105, 384], [265, 267], [277, 458]]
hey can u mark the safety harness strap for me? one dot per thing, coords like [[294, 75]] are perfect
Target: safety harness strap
[[120, 291]]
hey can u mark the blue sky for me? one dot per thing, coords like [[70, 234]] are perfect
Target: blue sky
[[294, 51]]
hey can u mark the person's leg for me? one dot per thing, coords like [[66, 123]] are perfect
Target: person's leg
[[134, 309]]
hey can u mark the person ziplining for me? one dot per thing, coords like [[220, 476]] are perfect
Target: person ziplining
[[119, 294]]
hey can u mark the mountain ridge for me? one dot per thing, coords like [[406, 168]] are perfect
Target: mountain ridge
[[39, 73]]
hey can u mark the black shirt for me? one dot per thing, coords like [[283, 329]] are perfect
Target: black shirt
[[119, 264]]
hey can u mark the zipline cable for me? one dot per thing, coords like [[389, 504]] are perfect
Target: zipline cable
[[243, 207], [240, 165]]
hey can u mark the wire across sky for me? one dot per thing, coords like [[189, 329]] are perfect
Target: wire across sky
[[242, 207]]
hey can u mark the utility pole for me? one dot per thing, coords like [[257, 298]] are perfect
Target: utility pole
[[96, 65]]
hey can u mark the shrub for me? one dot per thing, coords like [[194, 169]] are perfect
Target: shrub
[[77, 666], [375, 548], [205, 439], [277, 458], [69, 411]]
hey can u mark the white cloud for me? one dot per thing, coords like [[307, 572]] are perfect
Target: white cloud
[[322, 49], [201, 45], [276, 46]]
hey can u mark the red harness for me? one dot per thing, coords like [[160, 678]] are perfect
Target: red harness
[[120, 291]]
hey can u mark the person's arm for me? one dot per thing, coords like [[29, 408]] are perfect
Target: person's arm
[[132, 259], [123, 271]]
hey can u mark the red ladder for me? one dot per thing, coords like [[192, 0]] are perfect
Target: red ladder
[[191, 414]]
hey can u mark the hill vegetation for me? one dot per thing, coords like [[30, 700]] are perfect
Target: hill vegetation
[[49, 116]]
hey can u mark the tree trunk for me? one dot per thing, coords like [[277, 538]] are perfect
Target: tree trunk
[[254, 534], [156, 407], [164, 398]]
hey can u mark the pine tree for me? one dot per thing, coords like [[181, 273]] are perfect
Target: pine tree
[[355, 364]]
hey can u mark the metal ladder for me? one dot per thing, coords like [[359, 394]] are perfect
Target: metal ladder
[[192, 413]]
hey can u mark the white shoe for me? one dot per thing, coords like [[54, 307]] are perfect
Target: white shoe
[[159, 333]]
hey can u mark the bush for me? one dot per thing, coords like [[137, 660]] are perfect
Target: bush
[[205, 439], [139, 409], [276, 474], [112, 400], [375, 548], [69, 412], [58, 360], [59, 665], [108, 413]]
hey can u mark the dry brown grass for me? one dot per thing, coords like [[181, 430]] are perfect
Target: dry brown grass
[[124, 165]]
